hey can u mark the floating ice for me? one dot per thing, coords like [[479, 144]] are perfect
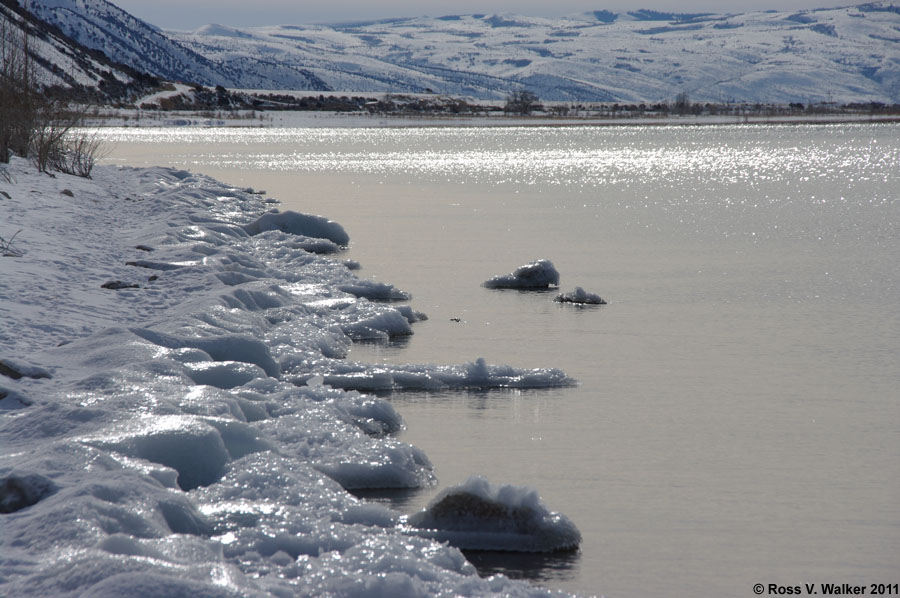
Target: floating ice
[[478, 515], [536, 275], [579, 295], [473, 375]]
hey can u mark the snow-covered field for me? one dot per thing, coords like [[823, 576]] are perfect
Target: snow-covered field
[[175, 418]]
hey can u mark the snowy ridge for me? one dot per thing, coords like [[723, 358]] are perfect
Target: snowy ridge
[[847, 54], [60, 62], [174, 435], [102, 26]]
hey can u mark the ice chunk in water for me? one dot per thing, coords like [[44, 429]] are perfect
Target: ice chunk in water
[[579, 295], [478, 515], [536, 275]]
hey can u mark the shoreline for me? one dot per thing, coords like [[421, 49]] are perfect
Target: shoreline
[[303, 119], [165, 403]]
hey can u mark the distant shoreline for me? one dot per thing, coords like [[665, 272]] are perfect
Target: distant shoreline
[[135, 118]]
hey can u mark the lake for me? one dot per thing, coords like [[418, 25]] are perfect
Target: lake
[[736, 419]]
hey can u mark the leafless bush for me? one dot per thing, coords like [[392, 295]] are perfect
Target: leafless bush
[[18, 92], [6, 248], [52, 124], [79, 153], [32, 124]]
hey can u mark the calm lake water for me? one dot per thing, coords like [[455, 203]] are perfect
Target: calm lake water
[[737, 419]]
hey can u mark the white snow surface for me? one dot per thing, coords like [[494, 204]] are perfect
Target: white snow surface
[[479, 515], [540, 274], [187, 436]]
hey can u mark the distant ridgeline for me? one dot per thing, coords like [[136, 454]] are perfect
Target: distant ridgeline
[[661, 60]]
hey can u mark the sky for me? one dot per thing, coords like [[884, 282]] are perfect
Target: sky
[[190, 14]]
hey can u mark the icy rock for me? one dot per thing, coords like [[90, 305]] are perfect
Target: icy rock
[[478, 515], [295, 223], [536, 275], [410, 314], [115, 285], [20, 491], [16, 369], [580, 296]]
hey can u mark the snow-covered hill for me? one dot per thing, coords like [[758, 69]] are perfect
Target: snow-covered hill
[[61, 62], [845, 55], [102, 26], [849, 54]]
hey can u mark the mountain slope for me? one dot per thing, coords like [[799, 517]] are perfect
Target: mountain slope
[[845, 54], [849, 54], [103, 26], [62, 63]]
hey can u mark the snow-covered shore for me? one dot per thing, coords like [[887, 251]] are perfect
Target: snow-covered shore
[[313, 119], [176, 416]]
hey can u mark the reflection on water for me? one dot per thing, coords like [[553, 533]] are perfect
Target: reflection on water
[[537, 567], [399, 499], [544, 568], [396, 343]]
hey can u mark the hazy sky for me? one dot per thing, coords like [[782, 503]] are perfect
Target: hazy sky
[[189, 14]]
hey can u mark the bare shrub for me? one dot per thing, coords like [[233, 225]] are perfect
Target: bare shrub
[[33, 125], [6, 248], [18, 92], [79, 153], [52, 123]]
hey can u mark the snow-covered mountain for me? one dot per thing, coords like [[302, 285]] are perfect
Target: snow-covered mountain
[[849, 54], [61, 62], [845, 54], [102, 26]]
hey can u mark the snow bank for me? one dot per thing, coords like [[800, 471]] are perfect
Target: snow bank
[[193, 431], [580, 296], [536, 275], [478, 515]]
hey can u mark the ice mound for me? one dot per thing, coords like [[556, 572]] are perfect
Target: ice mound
[[580, 296], [536, 275], [304, 225], [225, 347], [478, 515]]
